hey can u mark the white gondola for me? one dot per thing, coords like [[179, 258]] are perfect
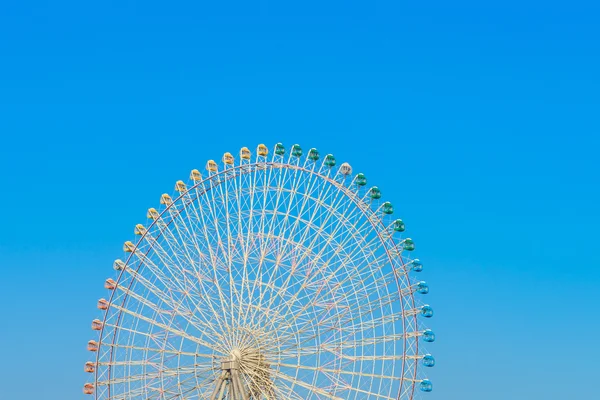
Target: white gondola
[[119, 265], [345, 169]]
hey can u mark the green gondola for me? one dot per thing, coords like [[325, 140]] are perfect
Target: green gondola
[[399, 225], [375, 193], [279, 149], [388, 208], [361, 179]]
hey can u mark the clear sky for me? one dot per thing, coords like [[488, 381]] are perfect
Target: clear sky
[[479, 120]]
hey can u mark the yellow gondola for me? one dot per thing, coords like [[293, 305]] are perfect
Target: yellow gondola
[[228, 159], [262, 150], [166, 199], [180, 186], [245, 153], [139, 229], [211, 166], [152, 214], [195, 175]]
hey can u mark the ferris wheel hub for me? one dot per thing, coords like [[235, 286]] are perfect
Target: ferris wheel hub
[[236, 354]]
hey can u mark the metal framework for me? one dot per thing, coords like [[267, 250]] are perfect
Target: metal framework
[[278, 277]]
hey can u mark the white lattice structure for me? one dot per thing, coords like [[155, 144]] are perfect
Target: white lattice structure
[[274, 277]]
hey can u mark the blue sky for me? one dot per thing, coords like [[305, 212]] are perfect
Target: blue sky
[[478, 120]]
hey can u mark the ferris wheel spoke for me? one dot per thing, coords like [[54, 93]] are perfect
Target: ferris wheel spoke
[[168, 282], [131, 394], [172, 372], [305, 385], [218, 215], [193, 253], [336, 327], [268, 234], [273, 207], [353, 279], [233, 226], [216, 315], [367, 392], [342, 217], [128, 363], [180, 279], [262, 191], [382, 301], [335, 371], [260, 383], [286, 393], [257, 385], [169, 381], [333, 327], [249, 205], [282, 175], [245, 203], [155, 337], [362, 326], [152, 339], [321, 271], [284, 178], [158, 351], [278, 261], [160, 392], [185, 313], [336, 202], [294, 206], [167, 328], [310, 223], [189, 316], [308, 281], [372, 341], [191, 245], [187, 240], [210, 240], [200, 223], [170, 255], [239, 237], [342, 371], [190, 384], [349, 278]]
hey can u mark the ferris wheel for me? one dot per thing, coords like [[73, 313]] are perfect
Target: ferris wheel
[[277, 276]]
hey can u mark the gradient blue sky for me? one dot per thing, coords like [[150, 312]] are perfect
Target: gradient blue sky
[[478, 120]]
